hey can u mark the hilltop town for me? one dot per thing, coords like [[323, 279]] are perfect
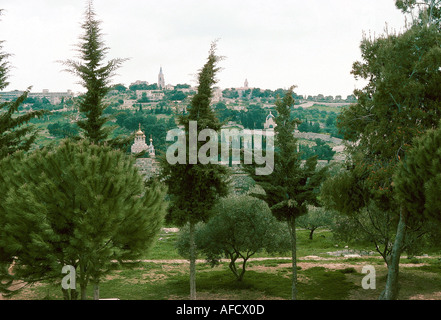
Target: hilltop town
[[242, 107]]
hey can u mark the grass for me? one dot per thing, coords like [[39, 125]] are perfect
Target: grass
[[164, 248], [219, 282], [334, 278]]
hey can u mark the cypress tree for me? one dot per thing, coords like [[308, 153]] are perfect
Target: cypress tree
[[195, 188], [293, 185], [95, 77]]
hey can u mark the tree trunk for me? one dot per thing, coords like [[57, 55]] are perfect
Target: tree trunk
[[311, 233], [292, 231], [96, 291], [243, 269], [192, 262], [392, 288], [66, 295], [73, 294], [83, 292], [70, 294], [84, 280], [232, 265]]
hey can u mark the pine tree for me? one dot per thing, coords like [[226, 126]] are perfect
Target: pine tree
[[195, 188], [14, 133], [4, 65], [417, 180], [400, 101], [95, 77], [75, 204], [424, 12], [293, 185]]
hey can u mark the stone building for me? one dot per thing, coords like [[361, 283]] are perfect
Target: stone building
[[270, 122], [146, 164]]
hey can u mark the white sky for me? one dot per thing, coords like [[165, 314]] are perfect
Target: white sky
[[274, 44]]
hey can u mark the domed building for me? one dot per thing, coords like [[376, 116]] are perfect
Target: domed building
[[139, 145], [146, 165]]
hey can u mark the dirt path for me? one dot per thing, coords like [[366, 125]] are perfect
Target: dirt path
[[184, 261]]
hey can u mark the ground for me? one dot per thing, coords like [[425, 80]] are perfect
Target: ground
[[321, 276]]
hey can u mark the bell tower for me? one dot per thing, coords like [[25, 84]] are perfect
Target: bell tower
[[161, 80]]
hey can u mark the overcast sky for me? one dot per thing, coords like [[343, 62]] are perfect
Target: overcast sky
[[274, 44]]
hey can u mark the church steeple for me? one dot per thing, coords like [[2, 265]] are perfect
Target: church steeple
[[161, 80], [151, 148]]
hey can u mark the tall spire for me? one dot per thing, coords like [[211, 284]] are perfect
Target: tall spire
[[161, 80], [151, 148]]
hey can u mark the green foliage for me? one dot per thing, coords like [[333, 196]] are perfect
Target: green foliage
[[400, 101], [63, 130], [309, 126], [4, 65], [321, 150], [95, 78], [253, 118], [195, 188], [76, 204], [402, 97], [316, 218], [241, 226], [14, 133], [344, 192], [143, 86], [292, 185], [150, 125], [423, 12], [418, 177]]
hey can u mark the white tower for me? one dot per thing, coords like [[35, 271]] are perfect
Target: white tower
[[151, 148], [161, 80]]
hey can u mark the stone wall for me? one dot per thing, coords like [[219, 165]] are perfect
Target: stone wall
[[313, 136], [147, 167]]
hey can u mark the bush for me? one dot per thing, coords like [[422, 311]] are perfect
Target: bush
[[240, 227]]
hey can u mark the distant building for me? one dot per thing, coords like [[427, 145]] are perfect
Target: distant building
[[161, 80], [270, 122], [53, 97], [152, 95], [241, 91], [139, 82], [217, 95], [139, 145], [147, 166]]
